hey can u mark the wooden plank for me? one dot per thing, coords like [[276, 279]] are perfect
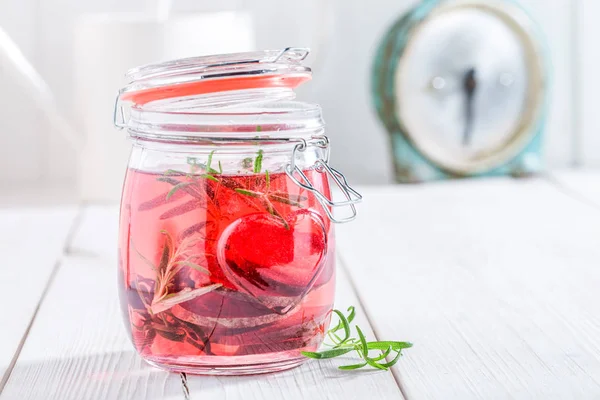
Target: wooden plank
[[495, 282], [31, 242], [96, 236], [581, 184], [77, 348]]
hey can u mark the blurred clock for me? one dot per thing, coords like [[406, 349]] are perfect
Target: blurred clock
[[461, 86]]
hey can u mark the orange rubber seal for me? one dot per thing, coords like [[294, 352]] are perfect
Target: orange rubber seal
[[144, 96]]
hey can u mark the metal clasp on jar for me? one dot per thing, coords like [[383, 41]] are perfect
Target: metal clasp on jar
[[352, 196]]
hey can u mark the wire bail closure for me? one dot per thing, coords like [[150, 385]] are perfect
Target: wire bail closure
[[119, 119], [352, 196]]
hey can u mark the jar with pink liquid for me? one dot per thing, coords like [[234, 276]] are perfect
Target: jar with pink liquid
[[227, 246]]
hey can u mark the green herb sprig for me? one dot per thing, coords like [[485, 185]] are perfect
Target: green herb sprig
[[267, 197], [192, 183], [346, 344], [258, 162], [209, 170]]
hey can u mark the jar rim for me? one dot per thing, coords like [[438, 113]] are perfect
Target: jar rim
[[272, 121]]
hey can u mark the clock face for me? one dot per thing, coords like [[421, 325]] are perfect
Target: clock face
[[468, 85]]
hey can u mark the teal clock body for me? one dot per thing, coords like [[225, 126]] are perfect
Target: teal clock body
[[462, 88]]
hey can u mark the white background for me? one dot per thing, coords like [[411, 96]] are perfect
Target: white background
[[30, 153]]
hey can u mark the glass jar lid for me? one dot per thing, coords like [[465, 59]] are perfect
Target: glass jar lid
[[230, 95], [216, 73]]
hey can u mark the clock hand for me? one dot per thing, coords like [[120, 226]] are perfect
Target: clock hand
[[469, 86]]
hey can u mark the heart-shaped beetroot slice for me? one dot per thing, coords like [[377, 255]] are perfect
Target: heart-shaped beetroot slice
[[266, 257]]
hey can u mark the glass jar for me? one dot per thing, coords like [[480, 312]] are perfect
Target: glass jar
[[226, 247]]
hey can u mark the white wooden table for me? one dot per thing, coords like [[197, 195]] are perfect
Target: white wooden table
[[496, 282]]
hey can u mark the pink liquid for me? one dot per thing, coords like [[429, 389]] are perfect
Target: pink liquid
[[238, 272]]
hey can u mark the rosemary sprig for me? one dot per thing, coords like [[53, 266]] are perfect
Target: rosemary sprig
[[207, 167], [189, 189], [258, 162], [250, 193], [209, 176], [171, 262], [209, 161], [176, 188], [193, 185], [285, 200], [347, 343], [266, 197], [267, 181], [195, 165]]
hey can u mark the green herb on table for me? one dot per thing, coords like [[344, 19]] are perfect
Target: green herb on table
[[343, 343]]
